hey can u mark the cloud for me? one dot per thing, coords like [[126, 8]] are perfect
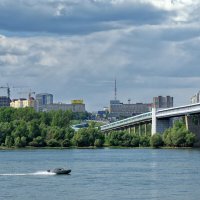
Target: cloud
[[75, 50], [75, 17], [147, 58]]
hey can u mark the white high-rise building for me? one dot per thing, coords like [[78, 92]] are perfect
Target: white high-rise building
[[196, 98]]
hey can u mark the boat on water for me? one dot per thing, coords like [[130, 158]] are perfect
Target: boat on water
[[59, 171]]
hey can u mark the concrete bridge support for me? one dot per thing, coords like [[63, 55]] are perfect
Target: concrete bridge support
[[154, 122], [159, 125], [139, 129], [186, 122], [145, 129]]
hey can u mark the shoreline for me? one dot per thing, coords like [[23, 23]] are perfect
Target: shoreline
[[105, 147]]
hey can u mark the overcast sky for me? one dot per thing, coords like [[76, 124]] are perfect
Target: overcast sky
[[74, 49]]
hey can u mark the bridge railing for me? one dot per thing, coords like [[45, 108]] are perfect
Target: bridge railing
[[175, 111], [127, 121], [168, 112]]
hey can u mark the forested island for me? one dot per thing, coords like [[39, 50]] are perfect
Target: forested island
[[24, 127]]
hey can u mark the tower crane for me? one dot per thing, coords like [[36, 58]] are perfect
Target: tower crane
[[8, 90], [29, 93]]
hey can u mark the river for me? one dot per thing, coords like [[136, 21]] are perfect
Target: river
[[100, 174]]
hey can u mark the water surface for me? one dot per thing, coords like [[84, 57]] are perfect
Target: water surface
[[100, 174]]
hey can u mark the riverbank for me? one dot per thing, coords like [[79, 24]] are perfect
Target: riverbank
[[92, 147]]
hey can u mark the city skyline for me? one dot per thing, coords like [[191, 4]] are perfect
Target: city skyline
[[75, 50]]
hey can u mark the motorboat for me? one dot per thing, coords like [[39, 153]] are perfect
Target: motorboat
[[59, 171]]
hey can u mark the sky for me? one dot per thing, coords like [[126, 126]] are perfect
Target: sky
[[75, 49]]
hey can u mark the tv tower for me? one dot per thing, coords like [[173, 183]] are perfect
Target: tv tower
[[115, 89]]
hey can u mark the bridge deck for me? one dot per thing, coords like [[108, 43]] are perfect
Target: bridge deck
[[128, 121], [164, 113]]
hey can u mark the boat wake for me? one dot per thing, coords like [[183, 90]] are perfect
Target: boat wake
[[38, 173]]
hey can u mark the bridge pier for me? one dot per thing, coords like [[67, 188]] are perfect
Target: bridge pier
[[145, 129], [154, 122], [139, 129], [159, 125], [134, 129], [186, 122]]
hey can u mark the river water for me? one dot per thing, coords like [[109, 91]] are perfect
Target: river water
[[100, 174]]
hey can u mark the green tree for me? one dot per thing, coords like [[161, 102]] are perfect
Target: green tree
[[69, 133], [115, 138], [33, 129], [20, 129], [8, 141], [135, 141], [18, 142], [6, 114], [144, 141], [167, 137], [98, 143], [126, 140], [179, 136], [23, 141], [66, 143], [5, 129], [62, 118], [27, 114], [38, 142], [46, 118], [81, 138], [156, 141], [53, 143]]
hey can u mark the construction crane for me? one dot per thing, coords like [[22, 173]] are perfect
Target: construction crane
[[29, 93], [8, 89]]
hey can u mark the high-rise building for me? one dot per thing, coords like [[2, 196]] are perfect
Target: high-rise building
[[43, 99], [4, 101], [196, 98], [163, 102]]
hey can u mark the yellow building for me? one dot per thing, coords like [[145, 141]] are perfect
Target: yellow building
[[77, 101]]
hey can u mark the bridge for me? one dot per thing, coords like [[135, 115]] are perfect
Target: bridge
[[160, 120]]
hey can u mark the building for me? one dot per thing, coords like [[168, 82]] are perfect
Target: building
[[163, 102], [75, 106], [44, 99], [4, 101], [120, 110], [196, 98], [22, 103]]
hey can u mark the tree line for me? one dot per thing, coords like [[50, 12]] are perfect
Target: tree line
[[177, 136], [25, 127]]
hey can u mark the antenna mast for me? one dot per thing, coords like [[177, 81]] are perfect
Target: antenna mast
[[115, 89]]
